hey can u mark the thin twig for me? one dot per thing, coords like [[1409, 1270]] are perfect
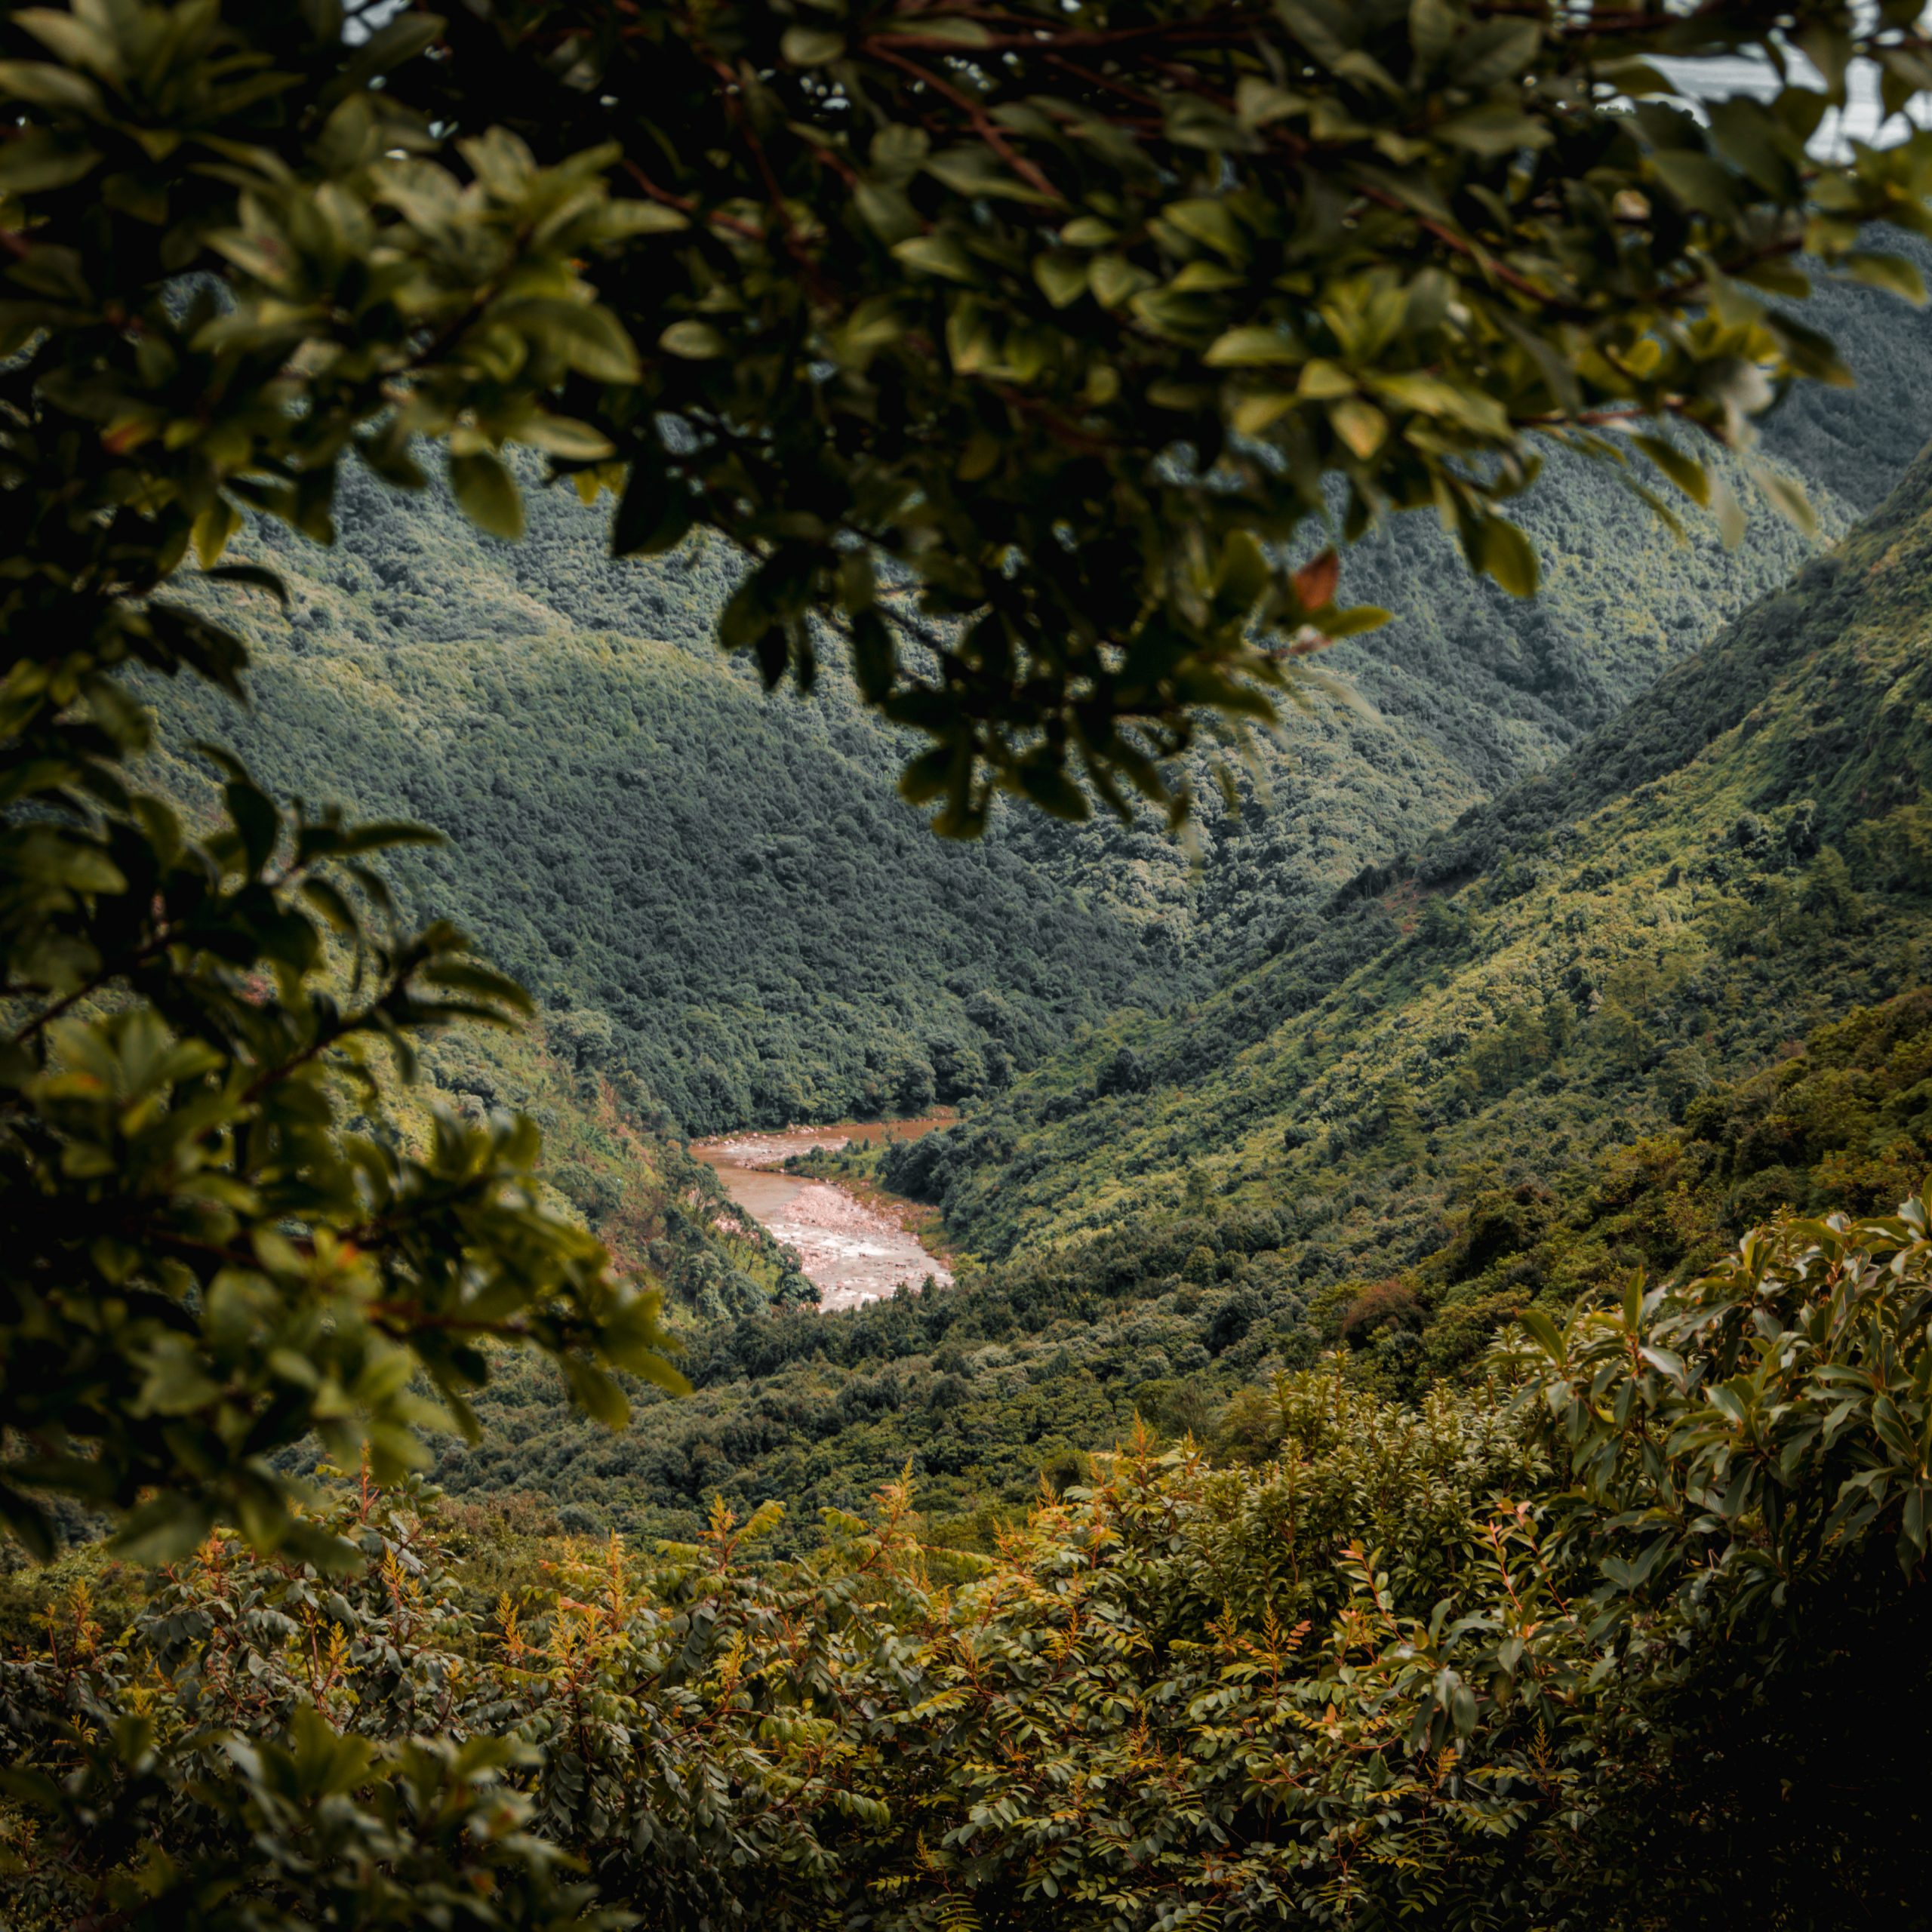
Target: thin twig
[[981, 123]]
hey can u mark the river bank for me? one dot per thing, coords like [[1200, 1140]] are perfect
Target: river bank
[[854, 1248]]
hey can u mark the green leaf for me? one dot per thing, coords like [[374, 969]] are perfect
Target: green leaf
[[1695, 181], [653, 514], [597, 1393], [1879, 270], [1499, 550], [1433, 29], [1685, 472], [1360, 425], [42, 84], [1728, 511], [253, 576], [1543, 1332], [467, 976], [587, 335], [257, 822], [887, 212], [1248, 346], [1314, 24], [695, 341], [810, 47], [1244, 575], [1212, 224], [562, 436], [1497, 50], [1062, 278], [1493, 130], [37, 160], [935, 254], [487, 494], [327, 899], [1786, 495], [1350, 623], [628, 217], [1050, 788]]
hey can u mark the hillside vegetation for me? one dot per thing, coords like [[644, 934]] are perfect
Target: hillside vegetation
[[1468, 691], [720, 894], [1469, 1662], [716, 893], [1246, 1171], [1180, 1321], [1734, 860]]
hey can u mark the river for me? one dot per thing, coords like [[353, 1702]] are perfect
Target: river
[[854, 1251]]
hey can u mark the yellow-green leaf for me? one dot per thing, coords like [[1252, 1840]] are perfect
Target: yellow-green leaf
[[487, 492], [695, 341]]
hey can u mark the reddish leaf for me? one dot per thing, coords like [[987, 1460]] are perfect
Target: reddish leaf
[[1318, 580]]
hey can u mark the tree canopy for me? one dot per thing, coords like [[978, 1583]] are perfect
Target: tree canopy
[[1013, 341]]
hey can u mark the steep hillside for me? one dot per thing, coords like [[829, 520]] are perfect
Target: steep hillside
[[718, 893], [1736, 858]]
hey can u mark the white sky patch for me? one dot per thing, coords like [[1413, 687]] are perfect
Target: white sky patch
[[1860, 119]]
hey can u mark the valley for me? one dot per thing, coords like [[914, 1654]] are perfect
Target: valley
[[965, 967], [1495, 910], [1355, 1145]]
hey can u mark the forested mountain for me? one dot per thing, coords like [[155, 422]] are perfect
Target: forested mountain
[[718, 893], [1300, 1062], [1469, 690], [1598, 1026], [1736, 858]]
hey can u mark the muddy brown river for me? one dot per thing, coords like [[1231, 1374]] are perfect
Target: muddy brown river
[[853, 1251]]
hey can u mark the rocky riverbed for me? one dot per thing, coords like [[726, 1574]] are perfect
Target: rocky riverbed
[[854, 1250]]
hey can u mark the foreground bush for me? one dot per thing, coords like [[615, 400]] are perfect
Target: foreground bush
[[1560, 1657]]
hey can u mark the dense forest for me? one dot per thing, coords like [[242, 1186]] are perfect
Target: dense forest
[[1181, 1321], [719, 892], [1368, 1659]]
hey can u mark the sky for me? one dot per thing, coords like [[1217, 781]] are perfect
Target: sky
[[1859, 120]]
